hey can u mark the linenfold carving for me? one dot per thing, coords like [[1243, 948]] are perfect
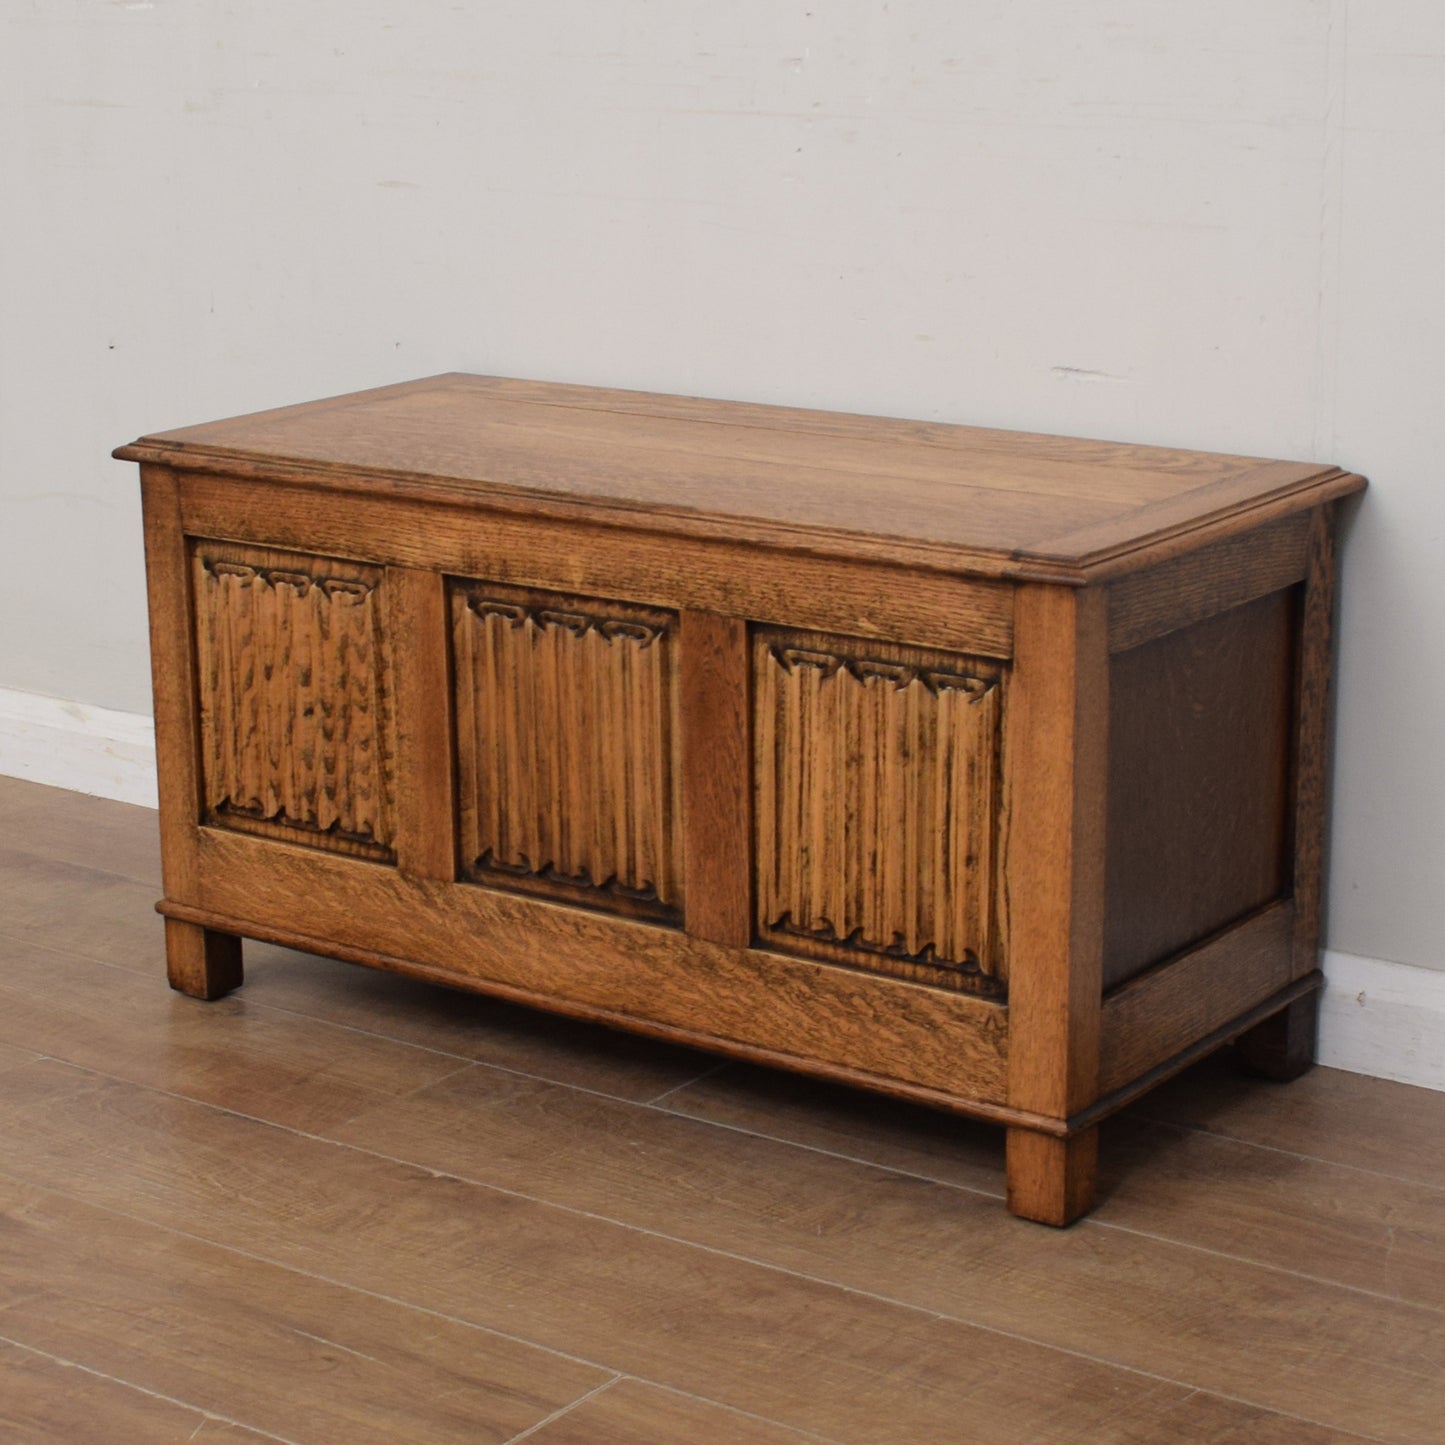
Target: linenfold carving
[[564, 713], [877, 792], [294, 722]]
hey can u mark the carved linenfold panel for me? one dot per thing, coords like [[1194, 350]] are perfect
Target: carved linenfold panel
[[565, 710], [877, 776], [295, 725]]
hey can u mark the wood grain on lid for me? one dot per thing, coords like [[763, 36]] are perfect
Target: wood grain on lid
[[988, 502]]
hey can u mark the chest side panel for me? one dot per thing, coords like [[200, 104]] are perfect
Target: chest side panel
[[1198, 834]]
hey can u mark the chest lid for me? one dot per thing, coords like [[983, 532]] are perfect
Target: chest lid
[[962, 499]]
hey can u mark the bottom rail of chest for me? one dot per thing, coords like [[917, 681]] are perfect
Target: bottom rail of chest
[[934, 1046]]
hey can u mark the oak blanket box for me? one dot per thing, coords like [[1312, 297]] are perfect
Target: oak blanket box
[[980, 768]]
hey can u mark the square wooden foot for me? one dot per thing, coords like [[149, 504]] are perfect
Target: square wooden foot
[[1283, 1046], [1051, 1180], [201, 962]]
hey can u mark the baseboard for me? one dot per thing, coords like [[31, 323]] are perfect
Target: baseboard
[[1378, 1017], [76, 745], [1385, 1019]]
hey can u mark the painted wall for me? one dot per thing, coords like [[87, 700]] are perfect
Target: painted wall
[[1207, 225]]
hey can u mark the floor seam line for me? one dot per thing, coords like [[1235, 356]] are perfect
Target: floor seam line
[[311, 1274], [686, 1084], [552, 1350], [370, 1293], [1145, 1117], [204, 1410], [386, 1100], [737, 1410], [248, 1001], [655, 1102], [893, 1301], [1300, 1274], [59, 862], [566, 1409], [894, 1169], [1086, 1223]]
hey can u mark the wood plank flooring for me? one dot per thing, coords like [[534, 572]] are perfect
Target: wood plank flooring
[[345, 1206]]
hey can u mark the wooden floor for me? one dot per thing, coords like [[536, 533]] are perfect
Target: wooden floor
[[344, 1206]]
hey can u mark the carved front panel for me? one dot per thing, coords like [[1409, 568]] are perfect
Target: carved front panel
[[877, 777], [295, 725], [564, 713]]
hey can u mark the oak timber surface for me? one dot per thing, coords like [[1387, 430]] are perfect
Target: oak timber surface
[[993, 500], [1199, 726], [193, 1170]]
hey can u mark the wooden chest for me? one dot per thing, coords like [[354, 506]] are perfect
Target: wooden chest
[[978, 768]]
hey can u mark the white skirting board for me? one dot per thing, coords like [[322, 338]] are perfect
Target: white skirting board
[[78, 746], [1378, 1017], [1383, 1018]]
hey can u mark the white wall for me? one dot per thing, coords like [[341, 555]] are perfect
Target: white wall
[[1213, 225]]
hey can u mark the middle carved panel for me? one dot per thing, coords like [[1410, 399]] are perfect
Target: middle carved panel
[[877, 791], [565, 713]]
